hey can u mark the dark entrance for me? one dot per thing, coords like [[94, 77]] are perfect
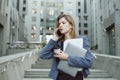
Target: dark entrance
[[1, 40], [112, 40]]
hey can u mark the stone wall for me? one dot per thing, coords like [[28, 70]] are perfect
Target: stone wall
[[111, 64], [12, 67]]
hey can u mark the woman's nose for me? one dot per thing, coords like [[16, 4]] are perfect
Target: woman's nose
[[60, 25]]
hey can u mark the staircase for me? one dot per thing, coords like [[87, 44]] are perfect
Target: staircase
[[40, 71]]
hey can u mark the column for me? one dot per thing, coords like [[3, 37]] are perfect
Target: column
[[117, 27]]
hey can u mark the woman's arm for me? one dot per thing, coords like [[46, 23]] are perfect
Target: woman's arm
[[85, 62], [47, 51]]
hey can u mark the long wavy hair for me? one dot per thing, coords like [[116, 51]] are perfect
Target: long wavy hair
[[70, 21]]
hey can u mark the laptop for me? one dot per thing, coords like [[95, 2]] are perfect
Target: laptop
[[72, 50]]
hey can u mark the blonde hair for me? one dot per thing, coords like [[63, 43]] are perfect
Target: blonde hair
[[70, 21]]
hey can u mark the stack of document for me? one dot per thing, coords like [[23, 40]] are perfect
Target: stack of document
[[77, 42], [73, 47]]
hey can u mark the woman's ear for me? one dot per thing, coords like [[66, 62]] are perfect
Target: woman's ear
[[71, 27]]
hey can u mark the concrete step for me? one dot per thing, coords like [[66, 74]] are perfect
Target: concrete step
[[41, 64], [100, 79], [36, 76], [37, 73], [41, 68], [98, 74], [43, 73], [84, 79], [37, 79], [43, 60]]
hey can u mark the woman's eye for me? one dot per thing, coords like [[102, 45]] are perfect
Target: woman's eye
[[63, 22]]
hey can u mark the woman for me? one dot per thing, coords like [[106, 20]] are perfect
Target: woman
[[65, 29]]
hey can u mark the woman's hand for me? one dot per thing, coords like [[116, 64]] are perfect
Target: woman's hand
[[61, 55], [55, 36]]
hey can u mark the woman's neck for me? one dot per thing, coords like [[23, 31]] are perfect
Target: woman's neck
[[67, 36]]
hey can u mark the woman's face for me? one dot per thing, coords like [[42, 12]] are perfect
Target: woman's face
[[64, 26]]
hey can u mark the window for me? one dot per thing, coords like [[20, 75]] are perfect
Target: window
[[23, 15], [50, 4], [51, 12], [79, 31], [61, 4], [69, 12], [0, 4], [85, 32], [42, 20], [41, 28], [114, 5], [34, 11], [85, 17], [33, 18], [17, 6], [101, 19], [47, 28], [79, 17], [34, 3], [79, 10], [33, 27], [42, 3], [100, 4], [41, 11], [85, 25], [85, 7], [79, 25], [24, 1], [70, 3], [62, 12], [33, 35], [24, 8], [7, 2], [78, 3]]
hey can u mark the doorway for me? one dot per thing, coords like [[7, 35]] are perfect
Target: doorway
[[1, 40], [112, 40]]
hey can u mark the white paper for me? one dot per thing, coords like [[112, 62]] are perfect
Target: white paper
[[77, 42]]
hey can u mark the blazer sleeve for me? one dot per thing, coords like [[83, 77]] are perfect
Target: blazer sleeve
[[47, 51], [77, 61]]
